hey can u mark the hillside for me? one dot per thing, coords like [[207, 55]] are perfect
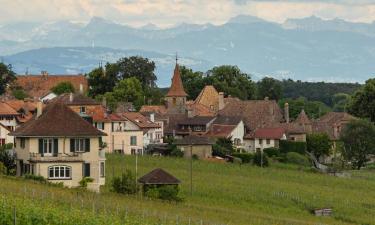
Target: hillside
[[222, 194], [309, 49]]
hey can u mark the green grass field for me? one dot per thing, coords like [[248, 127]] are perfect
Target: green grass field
[[222, 194]]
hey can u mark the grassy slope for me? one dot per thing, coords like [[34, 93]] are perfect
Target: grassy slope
[[223, 194]]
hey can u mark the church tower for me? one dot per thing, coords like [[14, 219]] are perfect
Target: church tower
[[176, 96]]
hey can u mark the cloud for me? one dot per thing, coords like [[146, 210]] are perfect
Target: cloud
[[170, 12]]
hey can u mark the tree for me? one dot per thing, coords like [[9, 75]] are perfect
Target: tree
[[363, 104], [269, 87], [126, 184], [19, 93], [8, 159], [193, 82], [340, 102], [7, 76], [222, 147], [63, 87], [139, 67], [129, 90], [314, 109], [230, 80], [319, 144], [102, 80], [359, 142]]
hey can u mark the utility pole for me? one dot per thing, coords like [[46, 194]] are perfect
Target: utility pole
[[191, 169]]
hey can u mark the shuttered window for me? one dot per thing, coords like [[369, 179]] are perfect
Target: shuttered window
[[80, 145]]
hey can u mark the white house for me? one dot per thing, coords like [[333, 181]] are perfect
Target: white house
[[264, 138]]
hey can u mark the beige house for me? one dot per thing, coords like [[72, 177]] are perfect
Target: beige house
[[199, 146], [60, 146]]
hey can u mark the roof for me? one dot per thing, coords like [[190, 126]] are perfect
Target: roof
[[77, 99], [227, 120], [161, 109], [269, 133], [302, 118], [218, 130], [254, 113], [194, 140], [199, 109], [140, 120], [6, 128], [208, 97], [334, 117], [177, 88], [158, 176], [40, 85], [198, 120], [57, 120], [22, 104], [6, 109]]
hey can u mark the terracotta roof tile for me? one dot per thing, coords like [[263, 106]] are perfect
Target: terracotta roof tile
[[177, 88], [218, 130], [40, 85], [6, 109], [269, 133], [153, 108], [77, 99], [208, 97], [140, 120]]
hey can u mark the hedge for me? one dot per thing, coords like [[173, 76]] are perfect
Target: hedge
[[245, 157], [292, 146]]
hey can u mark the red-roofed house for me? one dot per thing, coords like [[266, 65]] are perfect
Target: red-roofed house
[[264, 138]]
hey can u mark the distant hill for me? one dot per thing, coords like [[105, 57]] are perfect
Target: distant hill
[[309, 49]]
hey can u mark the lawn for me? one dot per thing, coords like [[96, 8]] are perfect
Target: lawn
[[222, 194]]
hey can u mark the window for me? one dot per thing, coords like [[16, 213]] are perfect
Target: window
[[59, 172], [82, 109], [133, 140], [80, 145], [174, 101], [260, 141], [47, 146], [86, 170], [100, 126], [102, 169], [22, 142], [268, 141], [198, 128]]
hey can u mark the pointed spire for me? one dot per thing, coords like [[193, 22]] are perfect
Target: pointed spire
[[303, 118], [177, 88]]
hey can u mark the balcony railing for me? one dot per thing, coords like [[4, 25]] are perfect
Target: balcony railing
[[60, 157]]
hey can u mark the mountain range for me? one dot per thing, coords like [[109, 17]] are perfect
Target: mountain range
[[310, 49]]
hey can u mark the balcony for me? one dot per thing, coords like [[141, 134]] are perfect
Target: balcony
[[60, 157]]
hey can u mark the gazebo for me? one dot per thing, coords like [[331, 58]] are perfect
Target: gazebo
[[158, 178]]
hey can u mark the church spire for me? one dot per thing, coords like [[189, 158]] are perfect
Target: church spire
[[177, 88]]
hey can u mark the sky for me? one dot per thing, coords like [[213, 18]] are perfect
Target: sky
[[164, 13]]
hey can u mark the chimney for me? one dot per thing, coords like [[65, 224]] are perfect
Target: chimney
[[39, 109], [81, 88], [221, 100], [152, 117], [286, 112], [71, 97]]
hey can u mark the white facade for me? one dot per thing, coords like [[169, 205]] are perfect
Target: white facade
[[48, 97], [4, 135], [8, 121], [237, 135]]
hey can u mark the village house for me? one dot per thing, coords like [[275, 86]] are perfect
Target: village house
[[39, 86], [198, 125], [5, 138], [60, 146], [26, 109], [8, 116], [192, 145], [263, 138]]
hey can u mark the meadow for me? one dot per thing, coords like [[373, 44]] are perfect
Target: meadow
[[223, 193]]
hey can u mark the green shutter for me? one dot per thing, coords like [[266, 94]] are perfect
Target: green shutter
[[72, 142], [86, 170], [87, 145], [103, 125], [55, 147], [41, 146]]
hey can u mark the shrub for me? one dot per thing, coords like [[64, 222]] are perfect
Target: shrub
[[292, 146], [222, 147], [271, 152], [126, 184], [237, 160], [195, 157], [296, 158], [245, 157], [260, 159], [38, 178], [169, 192], [84, 181], [8, 160], [3, 169]]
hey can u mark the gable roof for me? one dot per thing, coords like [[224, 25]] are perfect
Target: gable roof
[[176, 89], [208, 97], [334, 117], [140, 120], [194, 140], [57, 120], [77, 99], [7, 110], [254, 113], [303, 118], [219, 130], [199, 109], [40, 85], [161, 109], [158, 176], [269, 133], [197, 120]]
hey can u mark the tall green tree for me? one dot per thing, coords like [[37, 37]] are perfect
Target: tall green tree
[[340, 102], [314, 109], [319, 144], [102, 80], [139, 67], [63, 87], [363, 101], [232, 81], [193, 81], [7, 76], [269, 87], [359, 142]]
